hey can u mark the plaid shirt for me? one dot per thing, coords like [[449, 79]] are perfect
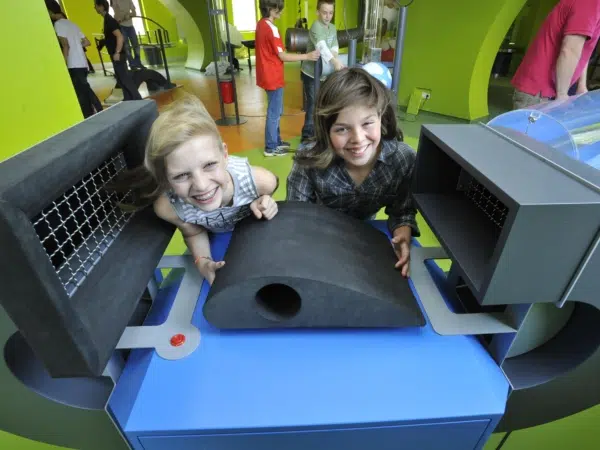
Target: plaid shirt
[[386, 186]]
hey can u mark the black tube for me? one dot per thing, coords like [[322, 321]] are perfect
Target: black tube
[[296, 39], [164, 55]]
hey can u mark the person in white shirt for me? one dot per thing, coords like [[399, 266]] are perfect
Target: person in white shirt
[[124, 10], [72, 42]]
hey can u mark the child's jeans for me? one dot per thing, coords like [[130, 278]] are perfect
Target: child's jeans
[[308, 130], [274, 112]]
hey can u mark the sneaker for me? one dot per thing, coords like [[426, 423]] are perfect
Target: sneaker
[[284, 144], [278, 151]]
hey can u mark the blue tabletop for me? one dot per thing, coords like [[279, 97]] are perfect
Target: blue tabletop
[[290, 379]]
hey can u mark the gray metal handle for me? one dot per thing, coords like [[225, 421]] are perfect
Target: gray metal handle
[[443, 320], [179, 321]]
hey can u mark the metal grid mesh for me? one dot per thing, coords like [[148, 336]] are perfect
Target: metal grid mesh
[[493, 208], [79, 226]]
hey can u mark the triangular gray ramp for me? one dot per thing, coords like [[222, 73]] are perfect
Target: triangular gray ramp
[[308, 267]]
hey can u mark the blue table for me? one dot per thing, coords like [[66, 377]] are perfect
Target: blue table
[[301, 389]]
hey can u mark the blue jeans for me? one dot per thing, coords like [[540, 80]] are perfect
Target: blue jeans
[[132, 46], [308, 130], [274, 112]]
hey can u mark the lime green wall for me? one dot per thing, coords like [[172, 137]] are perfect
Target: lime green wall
[[192, 18], [33, 107], [451, 53], [156, 10], [479, 80]]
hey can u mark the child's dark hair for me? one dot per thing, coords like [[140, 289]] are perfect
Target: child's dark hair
[[267, 5], [54, 7], [103, 3], [342, 89]]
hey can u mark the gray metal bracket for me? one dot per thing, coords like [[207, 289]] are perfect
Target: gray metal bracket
[[443, 320], [177, 337]]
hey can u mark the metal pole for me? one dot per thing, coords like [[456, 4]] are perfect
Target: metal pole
[[211, 15], [231, 68], [399, 49], [351, 52], [164, 56]]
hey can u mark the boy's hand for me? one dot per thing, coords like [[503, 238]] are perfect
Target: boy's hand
[[313, 56], [208, 268], [337, 64], [401, 244], [264, 207]]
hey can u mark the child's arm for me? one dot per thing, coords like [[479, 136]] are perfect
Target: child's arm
[[299, 186], [402, 211], [266, 183], [293, 57], [318, 37], [195, 237], [335, 50]]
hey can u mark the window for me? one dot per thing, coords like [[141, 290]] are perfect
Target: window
[[138, 23], [244, 15]]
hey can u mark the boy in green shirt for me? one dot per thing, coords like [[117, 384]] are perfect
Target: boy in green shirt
[[323, 37]]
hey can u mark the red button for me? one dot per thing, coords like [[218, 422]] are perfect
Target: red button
[[177, 340]]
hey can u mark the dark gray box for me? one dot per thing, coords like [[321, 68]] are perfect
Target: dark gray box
[[517, 218], [73, 265]]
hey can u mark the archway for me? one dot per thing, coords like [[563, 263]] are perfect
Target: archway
[[192, 18]]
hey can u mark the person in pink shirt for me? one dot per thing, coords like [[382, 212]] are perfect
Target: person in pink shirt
[[558, 57]]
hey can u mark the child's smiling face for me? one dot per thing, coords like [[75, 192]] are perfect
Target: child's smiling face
[[356, 134], [197, 173]]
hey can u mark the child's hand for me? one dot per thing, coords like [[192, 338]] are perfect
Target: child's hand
[[264, 207], [338, 65], [313, 56], [208, 268], [401, 243]]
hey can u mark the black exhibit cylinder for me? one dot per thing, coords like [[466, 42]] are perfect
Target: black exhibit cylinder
[[296, 39], [310, 266]]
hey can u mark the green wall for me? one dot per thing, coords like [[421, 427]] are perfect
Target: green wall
[[192, 17], [450, 53], [33, 107], [156, 10]]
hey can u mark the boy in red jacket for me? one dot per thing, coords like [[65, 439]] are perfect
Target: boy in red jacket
[[270, 56]]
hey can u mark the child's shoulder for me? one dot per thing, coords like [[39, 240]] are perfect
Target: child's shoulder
[[237, 162], [163, 207], [399, 151]]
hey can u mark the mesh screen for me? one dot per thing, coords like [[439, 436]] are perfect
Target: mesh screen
[[77, 228], [487, 202]]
